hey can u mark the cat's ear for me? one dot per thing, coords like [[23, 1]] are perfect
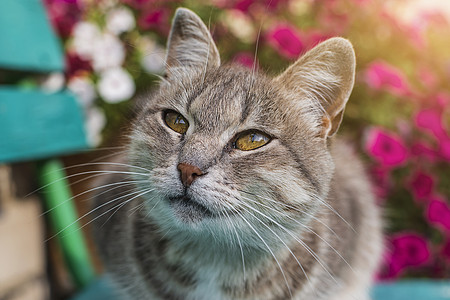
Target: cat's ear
[[326, 75], [190, 44]]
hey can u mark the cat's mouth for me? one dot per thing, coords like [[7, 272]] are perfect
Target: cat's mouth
[[188, 209]]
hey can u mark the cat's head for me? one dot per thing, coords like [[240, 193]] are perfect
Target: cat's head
[[227, 145]]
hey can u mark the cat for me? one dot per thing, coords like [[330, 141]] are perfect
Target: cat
[[234, 186]]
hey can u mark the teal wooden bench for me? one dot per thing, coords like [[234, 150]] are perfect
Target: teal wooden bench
[[38, 126]]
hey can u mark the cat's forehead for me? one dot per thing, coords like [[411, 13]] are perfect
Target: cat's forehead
[[228, 96]]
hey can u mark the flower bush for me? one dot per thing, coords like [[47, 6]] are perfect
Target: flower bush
[[398, 113]]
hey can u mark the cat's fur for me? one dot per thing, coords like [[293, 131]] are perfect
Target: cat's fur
[[293, 219]]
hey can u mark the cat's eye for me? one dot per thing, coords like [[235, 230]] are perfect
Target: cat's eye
[[176, 121], [251, 140]]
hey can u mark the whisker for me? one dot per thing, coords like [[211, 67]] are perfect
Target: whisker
[[281, 240], [86, 214], [120, 205], [267, 246], [84, 173], [306, 228], [101, 164], [91, 190], [307, 248], [294, 208], [333, 210], [239, 243]]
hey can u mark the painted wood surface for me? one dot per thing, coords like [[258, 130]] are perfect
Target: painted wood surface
[[35, 125], [27, 41]]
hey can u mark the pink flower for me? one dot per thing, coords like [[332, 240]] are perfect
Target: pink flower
[[438, 213], [443, 99], [382, 76], [145, 4], [63, 14], [380, 178], [423, 149], [410, 249], [286, 40], [386, 147], [245, 59], [445, 251], [428, 79], [422, 185], [407, 250], [75, 64], [444, 149], [431, 120], [315, 37], [243, 5], [155, 19]]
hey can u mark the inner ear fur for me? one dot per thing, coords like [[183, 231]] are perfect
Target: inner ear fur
[[324, 75], [190, 44]]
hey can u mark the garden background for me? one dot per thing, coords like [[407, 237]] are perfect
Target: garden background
[[398, 115]]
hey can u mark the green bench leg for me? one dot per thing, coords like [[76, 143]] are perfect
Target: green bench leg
[[63, 219]]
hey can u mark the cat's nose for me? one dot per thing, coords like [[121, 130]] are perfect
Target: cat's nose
[[188, 173]]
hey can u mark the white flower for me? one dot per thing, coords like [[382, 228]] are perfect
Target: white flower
[[116, 85], [153, 56], [83, 88], [240, 25], [109, 52], [120, 20], [94, 124], [85, 36], [53, 82]]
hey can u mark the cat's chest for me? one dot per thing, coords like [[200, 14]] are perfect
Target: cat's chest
[[208, 286]]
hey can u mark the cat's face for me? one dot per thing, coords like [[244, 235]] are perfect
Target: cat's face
[[228, 149]]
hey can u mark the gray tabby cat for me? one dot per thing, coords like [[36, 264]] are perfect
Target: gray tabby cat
[[238, 190]]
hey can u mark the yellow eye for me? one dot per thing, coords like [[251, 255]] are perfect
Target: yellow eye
[[251, 140], [176, 122]]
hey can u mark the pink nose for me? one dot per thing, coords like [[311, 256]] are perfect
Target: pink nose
[[188, 173]]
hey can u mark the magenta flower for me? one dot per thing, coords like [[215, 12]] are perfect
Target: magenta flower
[[445, 251], [423, 149], [431, 120], [385, 147], [406, 250], [315, 37], [444, 149], [380, 178], [382, 76], [245, 59], [438, 213], [243, 5], [286, 40], [422, 185], [391, 267], [410, 249], [75, 64], [155, 19], [142, 4], [63, 15]]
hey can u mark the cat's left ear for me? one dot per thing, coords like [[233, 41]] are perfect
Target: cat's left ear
[[325, 75], [190, 44]]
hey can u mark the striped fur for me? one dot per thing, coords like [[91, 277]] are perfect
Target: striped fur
[[293, 219]]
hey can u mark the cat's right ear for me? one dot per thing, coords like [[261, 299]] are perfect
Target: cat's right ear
[[190, 44]]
